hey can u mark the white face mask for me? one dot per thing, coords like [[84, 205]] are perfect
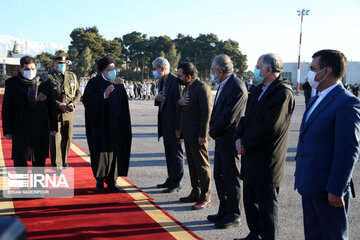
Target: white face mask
[[311, 79], [29, 74]]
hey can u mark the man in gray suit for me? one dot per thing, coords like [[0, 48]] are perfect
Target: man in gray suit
[[169, 123], [195, 105]]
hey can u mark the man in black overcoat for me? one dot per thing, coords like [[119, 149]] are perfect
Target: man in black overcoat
[[29, 114], [262, 138], [108, 126]]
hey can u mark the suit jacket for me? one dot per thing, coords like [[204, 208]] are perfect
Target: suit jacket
[[328, 145], [264, 133], [168, 114], [195, 116], [228, 109]]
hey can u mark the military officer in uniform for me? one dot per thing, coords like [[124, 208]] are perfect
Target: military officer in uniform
[[67, 95]]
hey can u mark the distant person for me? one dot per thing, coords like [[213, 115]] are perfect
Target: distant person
[[169, 124], [67, 95], [229, 106], [249, 84], [131, 90], [196, 105], [307, 92], [29, 114], [346, 86], [108, 126], [355, 90], [328, 149], [148, 90], [262, 138]]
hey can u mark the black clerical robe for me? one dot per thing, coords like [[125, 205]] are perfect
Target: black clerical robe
[[108, 129]]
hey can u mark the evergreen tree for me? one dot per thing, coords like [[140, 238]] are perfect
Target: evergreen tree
[[173, 57], [44, 59], [16, 48]]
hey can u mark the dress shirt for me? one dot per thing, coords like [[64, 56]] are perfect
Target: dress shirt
[[321, 95], [221, 86], [264, 88]]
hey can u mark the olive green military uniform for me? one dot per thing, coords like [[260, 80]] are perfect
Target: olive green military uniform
[[66, 90]]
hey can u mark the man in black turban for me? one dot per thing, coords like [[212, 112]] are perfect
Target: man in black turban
[[108, 126]]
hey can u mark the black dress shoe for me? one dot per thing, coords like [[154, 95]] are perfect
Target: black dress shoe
[[114, 188], [228, 223], [172, 189], [164, 185], [65, 165], [99, 185], [190, 198], [248, 237], [215, 217]]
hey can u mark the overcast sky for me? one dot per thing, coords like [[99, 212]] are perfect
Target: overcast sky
[[260, 26]]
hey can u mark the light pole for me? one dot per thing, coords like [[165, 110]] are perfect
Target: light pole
[[300, 13]]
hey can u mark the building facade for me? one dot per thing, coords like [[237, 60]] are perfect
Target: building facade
[[9, 65], [290, 72]]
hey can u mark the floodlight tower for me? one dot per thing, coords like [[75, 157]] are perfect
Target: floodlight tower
[[300, 13]]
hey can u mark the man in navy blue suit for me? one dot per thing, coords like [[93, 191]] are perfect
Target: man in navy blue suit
[[328, 149]]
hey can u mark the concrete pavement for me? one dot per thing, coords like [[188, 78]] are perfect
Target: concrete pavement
[[148, 168]]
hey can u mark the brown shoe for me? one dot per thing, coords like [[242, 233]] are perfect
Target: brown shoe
[[201, 205], [190, 198]]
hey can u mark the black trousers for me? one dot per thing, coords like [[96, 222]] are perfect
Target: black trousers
[[261, 209], [175, 164], [227, 178]]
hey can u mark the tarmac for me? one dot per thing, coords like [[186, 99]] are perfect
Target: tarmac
[[148, 168]]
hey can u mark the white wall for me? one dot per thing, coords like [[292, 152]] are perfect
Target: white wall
[[352, 74]]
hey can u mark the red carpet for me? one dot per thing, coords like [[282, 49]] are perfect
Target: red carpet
[[89, 215]]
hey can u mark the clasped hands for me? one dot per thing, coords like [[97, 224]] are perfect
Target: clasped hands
[[239, 147]]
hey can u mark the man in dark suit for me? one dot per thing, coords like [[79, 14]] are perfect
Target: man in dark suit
[[195, 105], [169, 123], [328, 149], [229, 106], [262, 141]]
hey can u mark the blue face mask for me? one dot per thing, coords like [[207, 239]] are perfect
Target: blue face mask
[[215, 80], [157, 75], [259, 79], [61, 67], [111, 75]]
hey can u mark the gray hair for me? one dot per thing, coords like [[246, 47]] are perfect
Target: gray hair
[[162, 62], [224, 63], [273, 60]]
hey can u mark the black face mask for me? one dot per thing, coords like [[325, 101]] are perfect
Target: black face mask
[[181, 82]]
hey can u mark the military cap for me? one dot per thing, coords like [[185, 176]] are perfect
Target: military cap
[[61, 57]]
